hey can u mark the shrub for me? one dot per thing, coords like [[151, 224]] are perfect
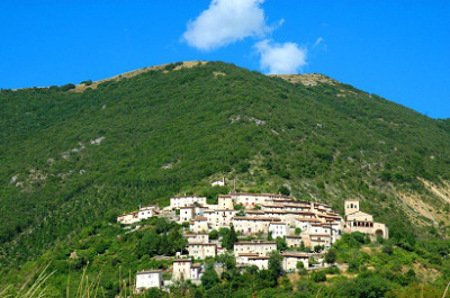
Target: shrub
[[87, 83], [214, 235], [387, 249], [66, 87], [284, 191], [330, 257], [318, 276]]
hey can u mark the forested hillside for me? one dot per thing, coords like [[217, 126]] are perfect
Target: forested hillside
[[71, 160]]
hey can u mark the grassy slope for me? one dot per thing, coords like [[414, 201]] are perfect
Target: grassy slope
[[323, 146]]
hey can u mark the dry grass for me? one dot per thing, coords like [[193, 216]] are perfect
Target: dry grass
[[133, 73], [307, 79]]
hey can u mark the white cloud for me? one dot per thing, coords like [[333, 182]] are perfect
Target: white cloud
[[283, 58], [225, 22], [318, 41]]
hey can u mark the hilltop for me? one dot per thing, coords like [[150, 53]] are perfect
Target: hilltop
[[77, 158]]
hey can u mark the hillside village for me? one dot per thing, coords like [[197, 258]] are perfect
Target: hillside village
[[307, 228]]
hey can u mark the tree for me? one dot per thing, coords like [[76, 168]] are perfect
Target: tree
[[318, 248], [330, 257], [240, 213], [301, 268], [230, 238], [298, 231], [239, 207], [213, 235], [210, 278], [275, 265], [228, 260], [281, 244], [286, 284]]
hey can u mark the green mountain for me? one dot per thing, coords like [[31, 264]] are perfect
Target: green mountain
[[72, 158]]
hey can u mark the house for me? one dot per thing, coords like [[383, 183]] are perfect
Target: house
[[262, 248], [252, 259], [249, 225], [197, 238], [187, 213], [294, 240], [319, 239], [275, 207], [147, 212], [218, 182], [181, 269], [149, 279], [304, 223], [183, 201], [278, 229], [250, 200], [219, 218], [196, 272], [358, 221], [290, 260], [201, 251], [242, 258], [319, 228], [225, 202], [128, 219], [199, 225], [281, 214], [262, 262]]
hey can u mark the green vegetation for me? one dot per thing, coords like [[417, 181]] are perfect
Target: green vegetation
[[378, 274], [71, 162], [229, 237]]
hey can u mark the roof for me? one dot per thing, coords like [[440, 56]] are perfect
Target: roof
[[258, 258], [259, 194], [248, 254], [359, 212], [352, 200], [149, 271], [186, 196], [300, 212], [307, 219], [294, 236], [273, 205], [294, 255], [297, 205], [317, 224], [254, 212], [200, 218], [201, 243], [277, 222], [182, 260], [255, 218], [224, 196], [148, 207], [319, 235], [188, 207], [275, 211], [255, 242]]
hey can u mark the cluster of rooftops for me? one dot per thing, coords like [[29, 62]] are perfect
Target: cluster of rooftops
[[303, 225]]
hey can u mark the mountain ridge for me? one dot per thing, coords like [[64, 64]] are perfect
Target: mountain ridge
[[85, 156]]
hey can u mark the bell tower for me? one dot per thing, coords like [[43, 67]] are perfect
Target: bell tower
[[351, 205]]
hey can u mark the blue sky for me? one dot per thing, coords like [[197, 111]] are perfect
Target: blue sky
[[397, 49]]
